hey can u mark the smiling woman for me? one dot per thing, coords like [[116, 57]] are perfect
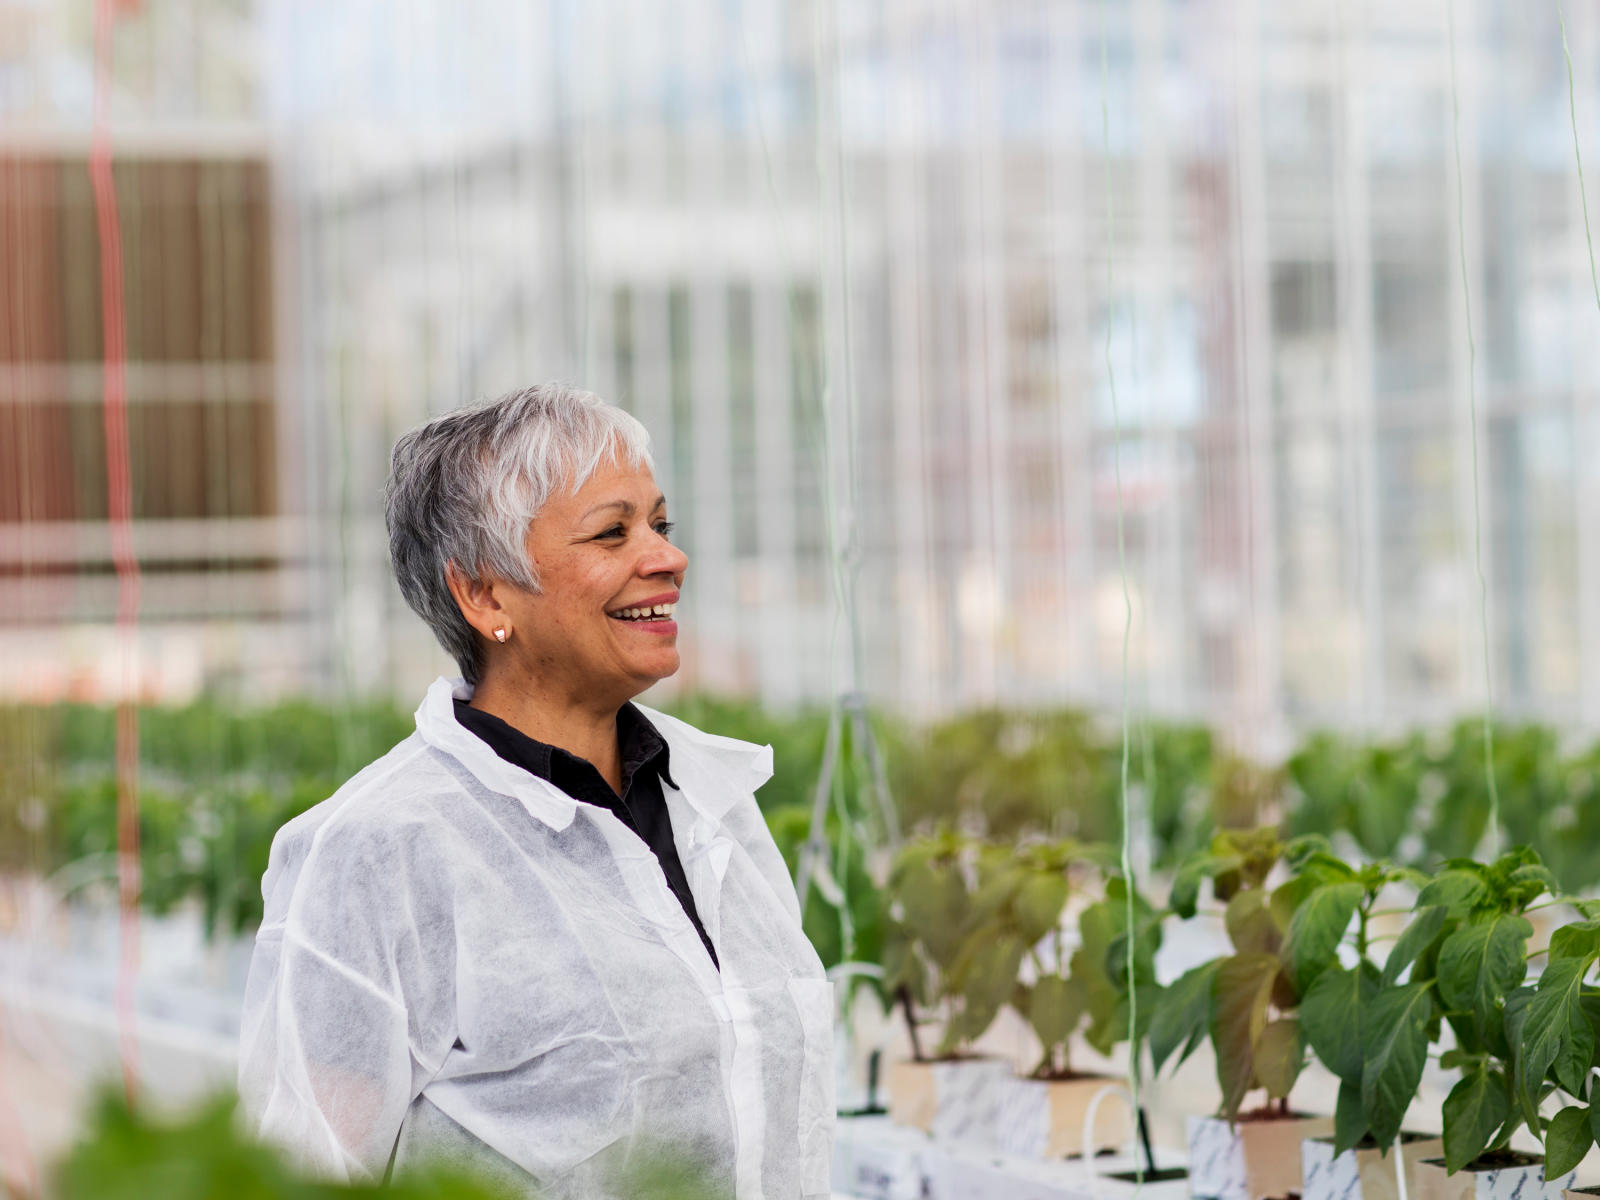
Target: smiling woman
[[549, 931]]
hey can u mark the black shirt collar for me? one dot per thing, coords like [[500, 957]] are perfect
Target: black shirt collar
[[639, 742]]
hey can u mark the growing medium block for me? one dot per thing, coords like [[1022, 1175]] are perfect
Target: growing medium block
[[1514, 1177], [1040, 1118], [1251, 1160], [1362, 1174], [950, 1099]]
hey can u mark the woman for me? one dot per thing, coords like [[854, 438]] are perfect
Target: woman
[[548, 933]]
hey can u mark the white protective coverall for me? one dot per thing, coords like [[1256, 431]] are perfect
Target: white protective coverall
[[460, 961]]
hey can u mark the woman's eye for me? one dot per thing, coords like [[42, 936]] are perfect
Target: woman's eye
[[664, 528], [614, 532]]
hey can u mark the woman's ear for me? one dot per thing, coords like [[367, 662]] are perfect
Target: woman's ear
[[479, 605]]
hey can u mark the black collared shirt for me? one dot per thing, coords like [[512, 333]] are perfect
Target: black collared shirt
[[641, 806]]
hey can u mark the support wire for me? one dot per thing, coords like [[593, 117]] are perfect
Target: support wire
[[1130, 914], [119, 498], [1472, 410]]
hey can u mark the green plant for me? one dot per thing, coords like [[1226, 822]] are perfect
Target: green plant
[[1370, 791], [1100, 966], [1460, 963], [1016, 922], [1368, 1029], [928, 966], [1554, 1044], [1172, 763], [1244, 1002], [1008, 774], [125, 1154]]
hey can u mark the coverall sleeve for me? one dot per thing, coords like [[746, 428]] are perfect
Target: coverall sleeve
[[346, 1014]]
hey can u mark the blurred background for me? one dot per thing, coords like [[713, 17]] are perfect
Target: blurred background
[[898, 287]]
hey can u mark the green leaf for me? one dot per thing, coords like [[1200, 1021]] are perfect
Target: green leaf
[[1333, 1014], [1349, 1118], [1473, 1111], [1426, 924], [1038, 905], [1184, 898], [1251, 926], [1535, 875], [1581, 939], [1395, 1056], [1567, 1140], [1055, 1006], [1279, 1055], [1240, 996], [1557, 1033], [1317, 928], [1516, 1019], [1458, 890], [1480, 963], [985, 974], [1183, 1016]]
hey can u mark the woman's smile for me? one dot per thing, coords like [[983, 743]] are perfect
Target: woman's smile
[[652, 615]]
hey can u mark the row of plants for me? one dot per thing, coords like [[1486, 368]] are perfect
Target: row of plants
[[1369, 968], [217, 780]]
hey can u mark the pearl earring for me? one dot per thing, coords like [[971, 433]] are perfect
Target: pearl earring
[[500, 634]]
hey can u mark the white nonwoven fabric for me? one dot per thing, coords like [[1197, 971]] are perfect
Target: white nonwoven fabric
[[459, 961]]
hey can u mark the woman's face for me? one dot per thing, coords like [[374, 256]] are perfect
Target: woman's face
[[601, 554]]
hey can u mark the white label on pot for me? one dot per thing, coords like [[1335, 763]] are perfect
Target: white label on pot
[[1216, 1160]]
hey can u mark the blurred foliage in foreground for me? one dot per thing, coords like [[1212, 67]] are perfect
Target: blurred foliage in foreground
[[124, 1154], [216, 782]]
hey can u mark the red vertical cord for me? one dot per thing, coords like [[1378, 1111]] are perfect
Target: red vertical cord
[[13, 1135], [119, 490]]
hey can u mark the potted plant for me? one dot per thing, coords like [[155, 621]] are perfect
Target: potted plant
[[1022, 900], [1246, 1005], [1551, 1030], [1460, 964], [937, 979], [1366, 1028]]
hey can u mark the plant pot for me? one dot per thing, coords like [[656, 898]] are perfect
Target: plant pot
[[953, 1099], [1041, 1118], [1365, 1173], [1250, 1160], [1519, 1175]]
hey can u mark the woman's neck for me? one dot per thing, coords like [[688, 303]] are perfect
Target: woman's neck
[[588, 731]]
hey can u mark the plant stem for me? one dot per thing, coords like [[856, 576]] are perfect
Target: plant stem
[[903, 993]]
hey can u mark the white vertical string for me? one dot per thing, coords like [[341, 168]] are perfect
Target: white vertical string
[[1130, 912], [1472, 416]]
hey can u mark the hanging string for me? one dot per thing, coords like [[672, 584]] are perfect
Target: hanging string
[[1130, 911], [1472, 409], [119, 493], [1577, 152]]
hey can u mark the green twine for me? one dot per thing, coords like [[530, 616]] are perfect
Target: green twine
[[1472, 405], [1577, 152], [1131, 932]]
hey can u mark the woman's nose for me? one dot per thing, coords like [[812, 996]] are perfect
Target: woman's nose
[[664, 559]]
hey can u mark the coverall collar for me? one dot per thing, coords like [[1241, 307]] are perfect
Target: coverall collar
[[714, 771]]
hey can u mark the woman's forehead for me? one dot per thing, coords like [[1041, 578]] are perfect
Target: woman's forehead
[[618, 485]]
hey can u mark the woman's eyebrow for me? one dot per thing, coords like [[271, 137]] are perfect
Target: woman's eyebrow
[[626, 507]]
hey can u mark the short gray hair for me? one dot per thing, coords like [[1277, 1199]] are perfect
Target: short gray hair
[[464, 487]]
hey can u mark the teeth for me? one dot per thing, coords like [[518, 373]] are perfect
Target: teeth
[[637, 614]]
